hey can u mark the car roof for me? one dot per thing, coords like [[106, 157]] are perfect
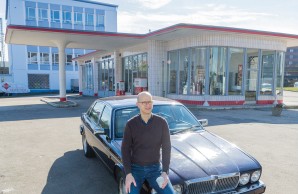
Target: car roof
[[130, 100]]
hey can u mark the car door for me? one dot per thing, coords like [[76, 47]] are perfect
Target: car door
[[103, 141], [91, 122]]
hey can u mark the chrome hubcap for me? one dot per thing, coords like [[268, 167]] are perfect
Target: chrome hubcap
[[121, 186], [85, 144]]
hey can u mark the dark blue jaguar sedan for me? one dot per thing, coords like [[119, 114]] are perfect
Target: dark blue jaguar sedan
[[201, 162]]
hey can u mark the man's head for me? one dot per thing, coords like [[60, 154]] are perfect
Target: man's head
[[144, 102]]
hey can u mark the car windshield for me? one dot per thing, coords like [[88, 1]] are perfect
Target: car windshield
[[178, 117]]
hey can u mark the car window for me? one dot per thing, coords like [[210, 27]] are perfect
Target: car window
[[121, 118], [177, 117], [105, 119], [96, 111]]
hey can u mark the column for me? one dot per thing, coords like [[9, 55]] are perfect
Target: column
[[156, 57], [80, 67], [62, 74]]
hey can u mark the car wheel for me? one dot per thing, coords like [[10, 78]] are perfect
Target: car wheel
[[88, 151]]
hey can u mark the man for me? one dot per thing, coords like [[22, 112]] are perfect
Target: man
[[144, 135]]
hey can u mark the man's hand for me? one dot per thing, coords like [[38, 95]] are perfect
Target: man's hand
[[165, 178], [128, 180]]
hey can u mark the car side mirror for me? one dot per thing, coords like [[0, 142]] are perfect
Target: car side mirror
[[99, 131], [204, 122]]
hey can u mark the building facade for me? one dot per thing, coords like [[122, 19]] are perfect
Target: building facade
[[210, 67], [36, 67], [291, 66]]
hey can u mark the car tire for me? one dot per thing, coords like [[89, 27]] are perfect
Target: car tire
[[88, 151]]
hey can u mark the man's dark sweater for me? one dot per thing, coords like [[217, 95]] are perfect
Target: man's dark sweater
[[142, 142]]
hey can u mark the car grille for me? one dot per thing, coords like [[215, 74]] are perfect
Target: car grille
[[213, 184]]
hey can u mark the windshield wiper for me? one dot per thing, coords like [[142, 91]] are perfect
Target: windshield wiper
[[186, 129]]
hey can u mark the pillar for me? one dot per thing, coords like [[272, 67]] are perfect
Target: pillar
[[61, 45], [80, 68]]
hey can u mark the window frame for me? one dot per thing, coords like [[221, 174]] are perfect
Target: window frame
[[75, 17], [87, 17], [55, 58], [30, 57], [53, 16], [42, 61], [28, 15], [65, 19], [40, 14], [100, 20]]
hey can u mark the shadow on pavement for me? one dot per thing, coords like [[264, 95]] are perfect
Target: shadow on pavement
[[43, 111], [73, 173]]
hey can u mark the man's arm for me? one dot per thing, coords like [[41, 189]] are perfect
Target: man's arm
[[126, 149], [166, 147]]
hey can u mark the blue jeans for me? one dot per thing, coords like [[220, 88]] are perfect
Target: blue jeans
[[149, 173]]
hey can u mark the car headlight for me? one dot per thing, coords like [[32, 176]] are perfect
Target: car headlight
[[244, 179], [255, 176], [177, 189]]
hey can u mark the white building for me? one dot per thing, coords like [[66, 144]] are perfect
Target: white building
[[195, 64], [37, 67]]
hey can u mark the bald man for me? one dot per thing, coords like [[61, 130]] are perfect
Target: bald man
[[144, 135]]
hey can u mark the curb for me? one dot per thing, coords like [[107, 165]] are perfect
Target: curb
[[59, 104], [238, 107], [228, 107]]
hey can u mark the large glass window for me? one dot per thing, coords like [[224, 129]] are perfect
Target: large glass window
[[217, 73], [197, 71], [127, 72], [89, 19], [100, 20], [106, 75], [30, 13], [183, 71], [252, 57], [78, 18], [173, 63], [267, 72], [44, 58], [135, 68], [88, 76], [279, 72], [67, 17], [42, 14], [32, 58], [55, 16], [236, 56]]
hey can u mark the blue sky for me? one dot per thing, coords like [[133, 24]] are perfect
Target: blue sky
[[138, 16]]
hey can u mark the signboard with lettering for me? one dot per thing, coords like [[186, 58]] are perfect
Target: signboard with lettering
[[8, 87]]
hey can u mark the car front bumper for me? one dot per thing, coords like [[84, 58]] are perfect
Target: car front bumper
[[256, 188]]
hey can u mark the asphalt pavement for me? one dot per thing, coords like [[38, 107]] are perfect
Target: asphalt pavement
[[41, 149]]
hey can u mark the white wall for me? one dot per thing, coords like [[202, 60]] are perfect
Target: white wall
[[17, 54]]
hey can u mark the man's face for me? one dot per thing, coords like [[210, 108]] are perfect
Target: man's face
[[145, 104]]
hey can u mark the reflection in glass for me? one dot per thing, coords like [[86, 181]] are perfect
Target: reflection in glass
[[197, 71], [173, 63], [235, 71], [217, 67], [251, 74], [267, 67], [183, 71], [279, 72]]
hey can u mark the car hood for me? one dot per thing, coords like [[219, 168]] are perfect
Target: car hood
[[202, 154]]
